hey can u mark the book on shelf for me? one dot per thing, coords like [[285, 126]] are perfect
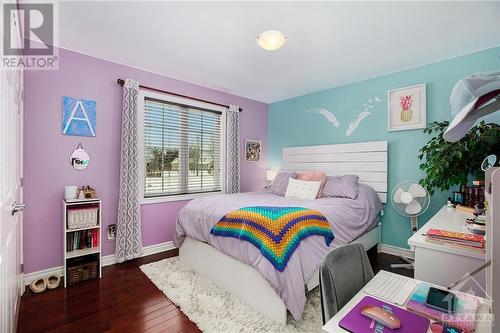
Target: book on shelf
[[88, 238], [82, 239], [69, 241], [457, 238], [95, 238]]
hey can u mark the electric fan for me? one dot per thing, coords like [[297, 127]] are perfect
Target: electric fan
[[409, 199]]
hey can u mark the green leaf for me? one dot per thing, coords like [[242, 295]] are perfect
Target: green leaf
[[448, 164]]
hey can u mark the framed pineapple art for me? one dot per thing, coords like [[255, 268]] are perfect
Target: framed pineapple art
[[406, 108]]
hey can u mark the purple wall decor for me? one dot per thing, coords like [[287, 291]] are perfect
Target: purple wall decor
[[46, 150]]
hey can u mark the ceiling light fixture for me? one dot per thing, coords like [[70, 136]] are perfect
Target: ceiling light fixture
[[271, 40]]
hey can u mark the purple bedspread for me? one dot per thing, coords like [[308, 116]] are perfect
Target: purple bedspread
[[348, 218]]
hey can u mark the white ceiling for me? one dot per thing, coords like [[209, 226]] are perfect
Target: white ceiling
[[329, 43]]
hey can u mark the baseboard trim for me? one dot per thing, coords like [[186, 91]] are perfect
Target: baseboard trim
[[106, 261], [157, 248], [146, 251], [30, 277], [397, 251]]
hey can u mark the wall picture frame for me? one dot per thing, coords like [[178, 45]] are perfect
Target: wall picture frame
[[78, 116], [79, 158], [252, 150], [406, 108]]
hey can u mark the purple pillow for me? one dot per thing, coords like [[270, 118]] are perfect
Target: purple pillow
[[341, 186], [280, 182]]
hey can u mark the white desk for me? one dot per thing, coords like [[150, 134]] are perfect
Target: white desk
[[442, 263], [332, 326]]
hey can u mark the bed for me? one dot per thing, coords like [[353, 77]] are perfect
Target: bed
[[240, 268]]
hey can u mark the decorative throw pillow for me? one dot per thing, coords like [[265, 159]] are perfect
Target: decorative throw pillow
[[319, 176], [302, 189], [341, 186], [280, 182]]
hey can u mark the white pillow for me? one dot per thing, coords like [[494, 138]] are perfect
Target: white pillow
[[302, 189]]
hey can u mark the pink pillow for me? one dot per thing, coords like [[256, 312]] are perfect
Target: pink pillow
[[313, 176]]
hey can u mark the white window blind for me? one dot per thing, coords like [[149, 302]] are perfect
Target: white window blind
[[182, 147]]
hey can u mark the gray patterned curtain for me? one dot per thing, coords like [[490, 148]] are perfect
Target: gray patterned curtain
[[232, 150], [128, 233]]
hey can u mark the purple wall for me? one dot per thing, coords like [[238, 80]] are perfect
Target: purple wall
[[46, 150]]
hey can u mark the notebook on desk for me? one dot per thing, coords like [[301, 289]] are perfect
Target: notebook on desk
[[355, 322], [456, 238]]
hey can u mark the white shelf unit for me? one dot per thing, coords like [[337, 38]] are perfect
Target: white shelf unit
[[85, 251]]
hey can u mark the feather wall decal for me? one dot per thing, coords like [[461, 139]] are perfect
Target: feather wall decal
[[354, 124], [360, 115], [329, 116], [357, 116]]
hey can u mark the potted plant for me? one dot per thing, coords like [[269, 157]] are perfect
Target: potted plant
[[451, 163]]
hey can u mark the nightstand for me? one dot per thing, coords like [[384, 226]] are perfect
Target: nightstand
[[441, 263]]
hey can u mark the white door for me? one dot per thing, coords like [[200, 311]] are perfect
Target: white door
[[11, 112]]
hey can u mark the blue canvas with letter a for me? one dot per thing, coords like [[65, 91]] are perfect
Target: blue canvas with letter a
[[78, 116]]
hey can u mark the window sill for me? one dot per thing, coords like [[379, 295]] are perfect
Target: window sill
[[173, 198]]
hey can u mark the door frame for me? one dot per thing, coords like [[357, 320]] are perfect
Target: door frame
[[21, 179]]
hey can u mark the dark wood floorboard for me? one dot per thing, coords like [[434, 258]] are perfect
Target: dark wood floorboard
[[124, 300]]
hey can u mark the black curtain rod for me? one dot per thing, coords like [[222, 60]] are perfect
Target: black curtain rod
[[121, 82]]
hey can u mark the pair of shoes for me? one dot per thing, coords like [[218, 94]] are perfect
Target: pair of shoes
[[40, 285]]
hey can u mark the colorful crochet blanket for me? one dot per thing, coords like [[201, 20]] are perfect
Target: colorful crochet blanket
[[275, 231]]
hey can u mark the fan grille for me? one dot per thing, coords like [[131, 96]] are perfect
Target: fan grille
[[418, 205]]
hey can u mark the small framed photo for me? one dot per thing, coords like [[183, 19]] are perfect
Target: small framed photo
[[111, 231], [252, 150], [406, 108]]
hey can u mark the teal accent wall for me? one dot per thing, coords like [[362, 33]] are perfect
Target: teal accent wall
[[290, 124]]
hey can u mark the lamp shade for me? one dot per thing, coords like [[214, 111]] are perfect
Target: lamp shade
[[271, 40], [271, 174]]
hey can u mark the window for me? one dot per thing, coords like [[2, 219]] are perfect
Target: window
[[182, 146]]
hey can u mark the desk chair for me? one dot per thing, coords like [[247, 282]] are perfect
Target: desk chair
[[342, 274]]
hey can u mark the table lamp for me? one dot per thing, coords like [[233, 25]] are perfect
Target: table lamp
[[270, 175]]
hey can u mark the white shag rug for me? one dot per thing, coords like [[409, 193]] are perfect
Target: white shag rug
[[216, 310]]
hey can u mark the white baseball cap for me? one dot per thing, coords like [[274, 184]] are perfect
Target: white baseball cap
[[467, 96]]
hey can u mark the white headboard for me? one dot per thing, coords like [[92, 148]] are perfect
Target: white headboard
[[368, 160]]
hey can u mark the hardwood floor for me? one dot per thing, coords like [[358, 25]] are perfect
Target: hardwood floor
[[124, 300]]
